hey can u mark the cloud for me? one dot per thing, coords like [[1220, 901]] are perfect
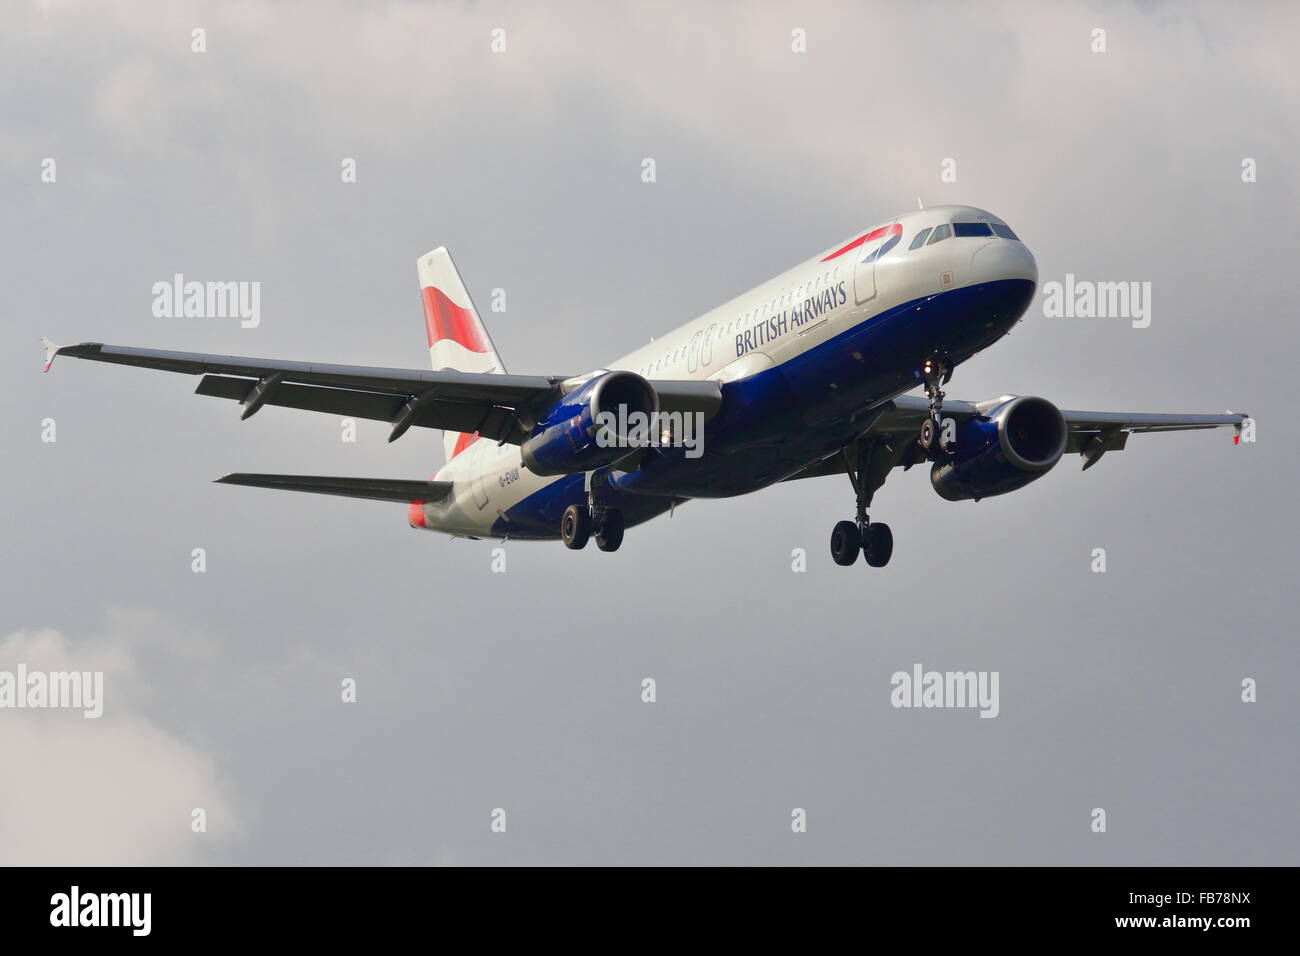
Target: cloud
[[864, 118], [117, 790]]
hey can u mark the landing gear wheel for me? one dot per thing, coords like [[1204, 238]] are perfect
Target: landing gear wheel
[[929, 435], [575, 527], [878, 545], [610, 535], [846, 542]]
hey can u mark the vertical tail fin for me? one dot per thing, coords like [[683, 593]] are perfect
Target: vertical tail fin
[[457, 337]]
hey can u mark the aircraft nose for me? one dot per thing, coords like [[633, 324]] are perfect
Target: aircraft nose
[[1003, 259]]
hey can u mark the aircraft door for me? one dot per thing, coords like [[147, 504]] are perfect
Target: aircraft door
[[878, 242]]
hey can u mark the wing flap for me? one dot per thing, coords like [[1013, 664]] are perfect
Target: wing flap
[[335, 401], [375, 489], [1110, 439], [491, 421]]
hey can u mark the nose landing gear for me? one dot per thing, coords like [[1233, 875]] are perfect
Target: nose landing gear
[[935, 373]]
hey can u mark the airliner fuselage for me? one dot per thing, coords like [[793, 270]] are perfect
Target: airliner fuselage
[[799, 358]]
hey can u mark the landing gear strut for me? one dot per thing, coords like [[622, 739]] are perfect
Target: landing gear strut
[[868, 462], [934, 373]]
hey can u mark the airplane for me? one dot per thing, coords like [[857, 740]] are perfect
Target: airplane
[[803, 376]]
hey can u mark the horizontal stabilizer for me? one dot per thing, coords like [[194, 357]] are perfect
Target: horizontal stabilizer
[[376, 489]]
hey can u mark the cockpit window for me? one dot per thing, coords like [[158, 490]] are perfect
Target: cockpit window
[[1004, 231], [940, 234], [968, 229], [919, 241]]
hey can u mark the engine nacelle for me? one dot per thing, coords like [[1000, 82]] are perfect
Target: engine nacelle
[[592, 426], [1005, 449]]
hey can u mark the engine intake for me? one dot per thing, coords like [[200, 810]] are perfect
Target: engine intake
[[594, 425], [1003, 450]]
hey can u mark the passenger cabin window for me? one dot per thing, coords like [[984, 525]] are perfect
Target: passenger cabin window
[[940, 234], [970, 229], [999, 229], [919, 241]]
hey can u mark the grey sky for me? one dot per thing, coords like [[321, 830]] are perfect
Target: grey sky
[[480, 690]]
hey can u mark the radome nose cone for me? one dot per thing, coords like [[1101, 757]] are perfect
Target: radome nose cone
[[1004, 259]]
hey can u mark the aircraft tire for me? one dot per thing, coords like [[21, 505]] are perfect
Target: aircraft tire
[[575, 527], [610, 535], [845, 543], [878, 547]]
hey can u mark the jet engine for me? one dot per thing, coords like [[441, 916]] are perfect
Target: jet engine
[[599, 422], [1004, 449]]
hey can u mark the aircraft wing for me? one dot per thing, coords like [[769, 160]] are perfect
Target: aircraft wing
[[499, 407], [458, 401], [909, 411], [1092, 434]]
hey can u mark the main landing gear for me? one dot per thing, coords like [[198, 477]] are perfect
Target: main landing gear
[[868, 463], [580, 522]]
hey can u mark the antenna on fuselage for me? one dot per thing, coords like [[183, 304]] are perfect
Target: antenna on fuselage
[[919, 204]]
